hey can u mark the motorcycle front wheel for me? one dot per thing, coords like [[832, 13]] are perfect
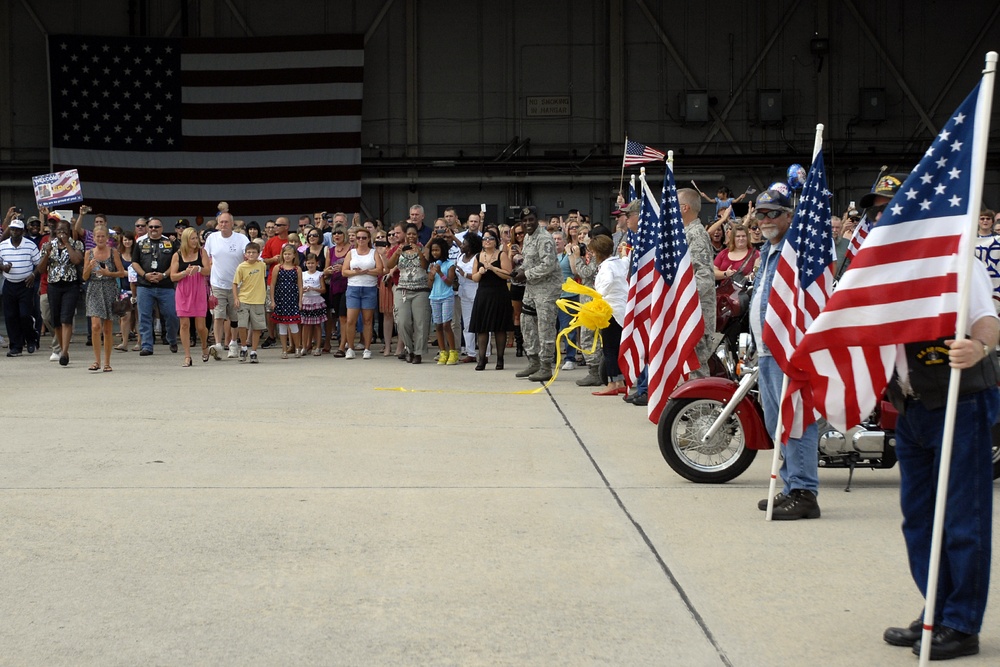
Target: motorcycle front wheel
[[724, 457]]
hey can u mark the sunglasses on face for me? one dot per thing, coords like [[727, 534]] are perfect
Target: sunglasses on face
[[154, 227], [760, 215]]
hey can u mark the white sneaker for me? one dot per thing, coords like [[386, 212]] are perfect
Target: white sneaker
[[3, 342], [570, 365], [54, 356], [367, 354], [234, 350], [349, 354]]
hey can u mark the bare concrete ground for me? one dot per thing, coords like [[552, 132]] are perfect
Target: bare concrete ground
[[293, 512]]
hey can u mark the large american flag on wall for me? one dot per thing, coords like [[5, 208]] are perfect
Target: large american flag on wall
[[170, 127]]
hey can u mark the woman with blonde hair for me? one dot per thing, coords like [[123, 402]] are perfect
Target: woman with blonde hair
[[189, 270], [102, 267]]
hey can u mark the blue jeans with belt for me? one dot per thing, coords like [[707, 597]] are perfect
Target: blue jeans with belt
[[964, 572], [164, 297]]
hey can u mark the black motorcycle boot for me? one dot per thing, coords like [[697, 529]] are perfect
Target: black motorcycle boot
[[801, 504], [518, 341], [778, 500], [904, 636]]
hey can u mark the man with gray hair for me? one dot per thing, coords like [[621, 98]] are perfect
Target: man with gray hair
[[417, 218], [225, 247], [700, 247]]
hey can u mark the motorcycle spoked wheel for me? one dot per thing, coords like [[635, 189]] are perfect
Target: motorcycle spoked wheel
[[680, 430]]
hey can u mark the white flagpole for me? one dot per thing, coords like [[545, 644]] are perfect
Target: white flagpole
[[982, 125], [776, 458], [624, 155]]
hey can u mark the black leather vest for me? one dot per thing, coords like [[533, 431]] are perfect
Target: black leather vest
[[929, 374]]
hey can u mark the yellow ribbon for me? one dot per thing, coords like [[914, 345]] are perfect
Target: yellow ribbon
[[594, 315]]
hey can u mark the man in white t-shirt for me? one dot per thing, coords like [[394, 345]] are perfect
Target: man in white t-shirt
[[225, 247]]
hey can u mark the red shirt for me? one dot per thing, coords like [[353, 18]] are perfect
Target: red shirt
[[273, 249]]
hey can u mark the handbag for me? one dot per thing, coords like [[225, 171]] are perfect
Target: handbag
[[122, 304]]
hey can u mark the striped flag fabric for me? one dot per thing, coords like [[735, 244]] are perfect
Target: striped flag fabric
[[902, 286], [803, 282], [636, 153], [860, 234], [676, 324], [170, 127], [635, 330]]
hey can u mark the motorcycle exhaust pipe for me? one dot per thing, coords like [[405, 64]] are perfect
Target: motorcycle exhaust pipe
[[746, 384]]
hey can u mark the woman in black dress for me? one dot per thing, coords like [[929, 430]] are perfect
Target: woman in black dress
[[491, 311]]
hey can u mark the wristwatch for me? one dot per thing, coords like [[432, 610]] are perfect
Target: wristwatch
[[986, 348]]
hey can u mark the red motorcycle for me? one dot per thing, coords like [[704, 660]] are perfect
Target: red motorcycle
[[712, 428]]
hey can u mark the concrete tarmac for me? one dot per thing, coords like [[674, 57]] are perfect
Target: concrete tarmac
[[294, 512]]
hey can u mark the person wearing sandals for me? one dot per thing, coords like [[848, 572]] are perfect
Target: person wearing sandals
[[102, 267], [127, 284], [189, 270], [62, 257]]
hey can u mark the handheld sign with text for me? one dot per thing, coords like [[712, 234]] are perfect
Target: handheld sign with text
[[62, 187]]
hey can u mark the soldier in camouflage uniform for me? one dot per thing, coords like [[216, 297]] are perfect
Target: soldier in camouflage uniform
[[544, 285], [704, 277]]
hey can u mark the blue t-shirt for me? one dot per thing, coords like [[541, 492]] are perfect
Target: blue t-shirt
[[442, 290], [721, 205], [567, 272]]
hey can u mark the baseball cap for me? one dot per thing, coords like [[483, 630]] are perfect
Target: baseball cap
[[53, 216], [772, 200], [633, 207], [887, 186], [17, 223]]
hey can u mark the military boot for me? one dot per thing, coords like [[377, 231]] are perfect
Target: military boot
[[592, 379], [543, 374], [533, 366]]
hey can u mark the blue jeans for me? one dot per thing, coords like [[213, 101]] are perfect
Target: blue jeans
[[800, 468], [964, 573], [642, 382], [164, 297]]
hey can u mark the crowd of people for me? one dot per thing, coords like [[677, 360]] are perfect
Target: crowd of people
[[476, 290]]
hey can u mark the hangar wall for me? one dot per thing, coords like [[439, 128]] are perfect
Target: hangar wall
[[513, 102]]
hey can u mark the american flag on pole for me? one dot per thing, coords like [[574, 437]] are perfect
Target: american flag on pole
[[636, 153], [803, 281], [172, 126], [860, 234], [635, 331], [902, 285], [676, 324]]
